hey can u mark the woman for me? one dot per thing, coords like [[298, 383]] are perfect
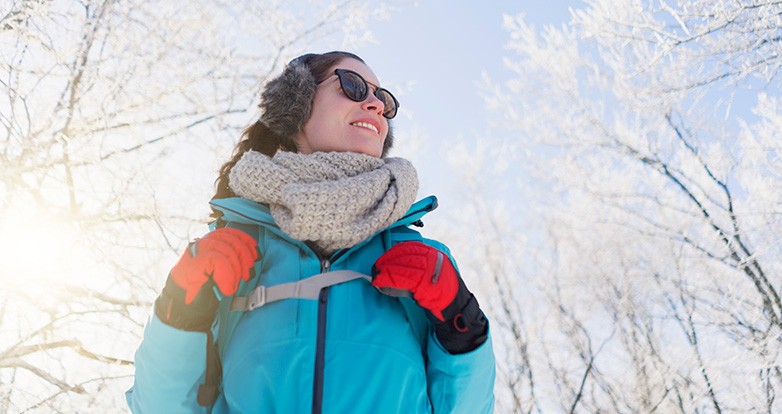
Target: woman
[[306, 209]]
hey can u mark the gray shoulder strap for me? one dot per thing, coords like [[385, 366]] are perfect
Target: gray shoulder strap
[[304, 289]]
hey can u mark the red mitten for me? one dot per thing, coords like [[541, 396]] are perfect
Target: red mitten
[[225, 256], [422, 270]]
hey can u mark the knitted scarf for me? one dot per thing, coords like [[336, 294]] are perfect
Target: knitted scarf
[[335, 199]]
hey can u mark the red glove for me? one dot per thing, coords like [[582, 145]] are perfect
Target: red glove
[[224, 256], [422, 270], [459, 323]]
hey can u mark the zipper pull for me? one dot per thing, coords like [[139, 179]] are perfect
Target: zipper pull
[[325, 266]]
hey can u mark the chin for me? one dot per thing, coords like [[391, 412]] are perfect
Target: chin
[[370, 153], [373, 151]]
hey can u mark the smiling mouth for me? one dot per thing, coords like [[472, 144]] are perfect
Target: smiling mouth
[[366, 125]]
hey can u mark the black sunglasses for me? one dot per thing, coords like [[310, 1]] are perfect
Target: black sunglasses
[[356, 88]]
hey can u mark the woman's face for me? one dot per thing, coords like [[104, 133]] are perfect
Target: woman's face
[[340, 124]]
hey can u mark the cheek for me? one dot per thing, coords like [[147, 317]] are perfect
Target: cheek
[[324, 133], [319, 121]]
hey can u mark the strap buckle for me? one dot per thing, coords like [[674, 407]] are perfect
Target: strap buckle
[[256, 298]]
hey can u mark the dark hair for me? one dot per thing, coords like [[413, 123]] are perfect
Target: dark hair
[[283, 115]]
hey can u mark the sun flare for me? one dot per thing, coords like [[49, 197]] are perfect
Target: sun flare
[[38, 249]]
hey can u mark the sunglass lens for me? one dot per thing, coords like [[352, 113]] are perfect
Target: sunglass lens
[[354, 86], [389, 103], [357, 89]]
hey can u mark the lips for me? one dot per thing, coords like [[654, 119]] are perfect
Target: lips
[[370, 124]]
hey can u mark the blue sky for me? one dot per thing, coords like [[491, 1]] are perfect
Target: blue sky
[[440, 48], [443, 46]]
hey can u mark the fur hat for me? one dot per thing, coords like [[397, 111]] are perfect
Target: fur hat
[[286, 101]]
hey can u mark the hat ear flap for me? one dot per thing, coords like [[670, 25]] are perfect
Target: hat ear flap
[[286, 102], [389, 142]]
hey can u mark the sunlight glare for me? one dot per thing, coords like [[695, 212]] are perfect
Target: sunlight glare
[[36, 249]]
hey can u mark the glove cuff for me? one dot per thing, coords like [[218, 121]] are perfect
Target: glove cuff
[[198, 316], [465, 327]]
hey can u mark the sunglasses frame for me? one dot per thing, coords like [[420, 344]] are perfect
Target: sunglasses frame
[[340, 72]]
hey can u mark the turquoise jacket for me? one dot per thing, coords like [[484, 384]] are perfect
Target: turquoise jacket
[[354, 350]]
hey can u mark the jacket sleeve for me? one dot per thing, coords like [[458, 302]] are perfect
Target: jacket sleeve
[[170, 366], [460, 384]]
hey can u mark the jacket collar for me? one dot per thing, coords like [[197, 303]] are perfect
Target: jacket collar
[[244, 211]]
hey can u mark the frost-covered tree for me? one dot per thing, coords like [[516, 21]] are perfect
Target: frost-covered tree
[[641, 270], [114, 118]]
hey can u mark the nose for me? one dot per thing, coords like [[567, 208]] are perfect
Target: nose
[[373, 104]]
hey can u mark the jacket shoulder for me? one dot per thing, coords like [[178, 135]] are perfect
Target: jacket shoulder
[[417, 211], [242, 210]]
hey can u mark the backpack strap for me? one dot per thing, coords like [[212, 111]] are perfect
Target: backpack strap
[[229, 320], [415, 314], [210, 389], [308, 288], [213, 378]]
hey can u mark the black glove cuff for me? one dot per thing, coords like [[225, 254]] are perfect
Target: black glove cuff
[[465, 327], [198, 316]]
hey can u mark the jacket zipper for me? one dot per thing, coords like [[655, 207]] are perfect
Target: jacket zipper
[[320, 345]]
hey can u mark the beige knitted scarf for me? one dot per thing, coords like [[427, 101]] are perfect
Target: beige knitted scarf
[[334, 199]]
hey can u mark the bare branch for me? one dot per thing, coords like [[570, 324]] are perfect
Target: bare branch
[[18, 363]]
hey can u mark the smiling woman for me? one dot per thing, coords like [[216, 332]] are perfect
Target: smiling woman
[[308, 207]]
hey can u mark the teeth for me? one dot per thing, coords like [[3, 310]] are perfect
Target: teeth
[[366, 125]]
